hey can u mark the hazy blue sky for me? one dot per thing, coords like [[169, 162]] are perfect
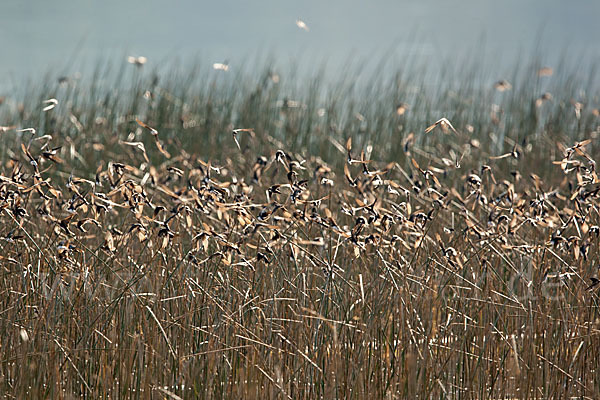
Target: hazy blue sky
[[37, 35]]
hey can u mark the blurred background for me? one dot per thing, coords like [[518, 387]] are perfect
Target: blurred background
[[65, 37]]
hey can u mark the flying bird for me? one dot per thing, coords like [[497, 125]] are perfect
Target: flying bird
[[137, 61], [442, 123], [301, 24], [221, 66], [502, 85], [235, 133], [51, 104]]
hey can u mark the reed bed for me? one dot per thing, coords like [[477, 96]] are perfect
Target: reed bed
[[222, 235]]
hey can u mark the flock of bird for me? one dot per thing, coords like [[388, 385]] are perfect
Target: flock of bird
[[257, 209]]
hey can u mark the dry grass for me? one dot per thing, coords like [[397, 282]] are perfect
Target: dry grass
[[145, 254]]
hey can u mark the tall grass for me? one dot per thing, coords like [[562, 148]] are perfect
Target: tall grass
[[189, 276]]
